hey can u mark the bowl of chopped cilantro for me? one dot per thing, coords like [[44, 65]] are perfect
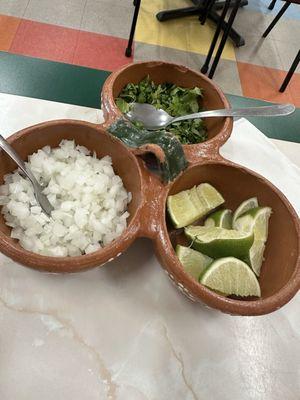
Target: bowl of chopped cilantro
[[175, 89], [173, 99]]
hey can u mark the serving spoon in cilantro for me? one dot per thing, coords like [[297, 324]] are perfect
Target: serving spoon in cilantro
[[156, 107], [175, 100]]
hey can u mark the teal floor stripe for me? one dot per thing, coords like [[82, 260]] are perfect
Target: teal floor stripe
[[42, 79], [284, 128]]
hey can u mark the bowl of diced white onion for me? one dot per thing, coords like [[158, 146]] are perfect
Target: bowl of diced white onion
[[93, 182]]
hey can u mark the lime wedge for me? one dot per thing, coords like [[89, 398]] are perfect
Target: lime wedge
[[221, 219], [231, 276], [255, 220], [244, 207], [189, 205], [197, 200], [256, 255], [181, 209], [219, 242], [192, 261], [210, 196]]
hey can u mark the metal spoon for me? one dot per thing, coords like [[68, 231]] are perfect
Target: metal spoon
[[40, 197], [153, 118]]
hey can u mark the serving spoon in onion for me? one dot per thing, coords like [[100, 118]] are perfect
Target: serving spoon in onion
[[38, 189]]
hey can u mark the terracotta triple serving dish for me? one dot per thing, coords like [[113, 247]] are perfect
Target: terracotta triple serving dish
[[280, 276]]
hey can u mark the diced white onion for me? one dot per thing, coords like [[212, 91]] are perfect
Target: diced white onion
[[89, 200]]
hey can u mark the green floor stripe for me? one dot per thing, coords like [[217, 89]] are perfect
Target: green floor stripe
[[32, 77], [284, 128], [42, 79]]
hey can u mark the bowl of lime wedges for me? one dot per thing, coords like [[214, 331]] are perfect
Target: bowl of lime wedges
[[230, 239]]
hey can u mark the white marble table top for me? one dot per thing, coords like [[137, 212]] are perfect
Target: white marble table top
[[123, 332]]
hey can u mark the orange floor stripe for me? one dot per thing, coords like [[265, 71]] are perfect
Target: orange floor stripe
[[8, 29], [46, 41], [68, 45], [264, 83]]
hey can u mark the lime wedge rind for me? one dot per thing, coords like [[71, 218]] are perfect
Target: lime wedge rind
[[219, 242], [244, 207], [221, 219]]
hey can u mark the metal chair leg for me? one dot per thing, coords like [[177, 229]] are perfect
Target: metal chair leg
[[224, 38], [276, 19], [207, 6], [272, 4], [128, 50], [205, 66], [290, 73]]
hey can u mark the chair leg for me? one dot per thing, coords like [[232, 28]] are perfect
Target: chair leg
[[276, 19], [224, 38], [207, 6], [290, 73], [272, 4], [128, 50], [205, 66]]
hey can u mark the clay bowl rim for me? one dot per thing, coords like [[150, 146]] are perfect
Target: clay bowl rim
[[163, 246], [112, 111], [85, 261]]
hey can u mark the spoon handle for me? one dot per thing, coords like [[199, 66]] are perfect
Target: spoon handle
[[265, 111], [20, 163]]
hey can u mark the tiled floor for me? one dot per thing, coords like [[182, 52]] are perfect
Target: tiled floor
[[93, 33]]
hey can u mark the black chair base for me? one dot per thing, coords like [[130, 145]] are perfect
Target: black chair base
[[237, 39], [201, 8]]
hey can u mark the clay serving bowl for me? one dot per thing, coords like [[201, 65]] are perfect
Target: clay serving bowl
[[96, 139], [218, 128], [280, 275]]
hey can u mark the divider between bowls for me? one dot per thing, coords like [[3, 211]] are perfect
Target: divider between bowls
[[209, 149], [153, 208]]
